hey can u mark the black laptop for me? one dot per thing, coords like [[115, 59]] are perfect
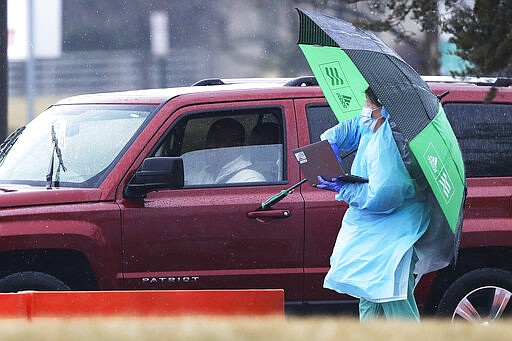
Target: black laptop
[[318, 159]]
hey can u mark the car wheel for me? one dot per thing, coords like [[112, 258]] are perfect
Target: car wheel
[[480, 296], [30, 280]]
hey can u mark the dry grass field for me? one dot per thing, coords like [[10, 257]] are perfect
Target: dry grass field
[[17, 109], [245, 328]]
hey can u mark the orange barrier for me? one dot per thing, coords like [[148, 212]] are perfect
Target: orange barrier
[[141, 303], [13, 305]]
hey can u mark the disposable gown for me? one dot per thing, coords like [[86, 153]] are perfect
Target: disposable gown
[[374, 247]]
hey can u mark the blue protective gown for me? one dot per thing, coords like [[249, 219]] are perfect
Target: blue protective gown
[[373, 250]]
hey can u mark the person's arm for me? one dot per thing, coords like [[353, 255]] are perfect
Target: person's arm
[[389, 183], [345, 135], [247, 175]]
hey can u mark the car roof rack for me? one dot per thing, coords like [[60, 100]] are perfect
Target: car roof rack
[[302, 81], [311, 81], [209, 81], [479, 81], [231, 81], [299, 81], [503, 81]]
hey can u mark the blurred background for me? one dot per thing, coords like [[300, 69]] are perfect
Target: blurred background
[[85, 46]]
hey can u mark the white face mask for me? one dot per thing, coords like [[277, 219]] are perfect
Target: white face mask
[[366, 118]]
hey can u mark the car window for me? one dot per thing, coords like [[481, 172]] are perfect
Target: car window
[[320, 118], [89, 138], [228, 148], [484, 132]]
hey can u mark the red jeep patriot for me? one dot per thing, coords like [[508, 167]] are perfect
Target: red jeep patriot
[[115, 191]]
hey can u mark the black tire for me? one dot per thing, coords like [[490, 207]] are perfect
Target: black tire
[[30, 280], [478, 296]]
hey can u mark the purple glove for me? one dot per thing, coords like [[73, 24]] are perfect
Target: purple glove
[[334, 185], [336, 150]]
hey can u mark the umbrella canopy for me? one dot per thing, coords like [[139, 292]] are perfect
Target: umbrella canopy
[[346, 60]]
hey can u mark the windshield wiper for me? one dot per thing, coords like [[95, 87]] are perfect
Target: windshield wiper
[[55, 151], [6, 146]]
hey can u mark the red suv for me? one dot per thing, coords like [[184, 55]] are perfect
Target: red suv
[[130, 190]]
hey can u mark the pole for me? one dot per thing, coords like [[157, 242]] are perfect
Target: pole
[[30, 64], [4, 87], [159, 37]]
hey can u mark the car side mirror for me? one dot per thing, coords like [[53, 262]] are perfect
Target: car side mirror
[[156, 173]]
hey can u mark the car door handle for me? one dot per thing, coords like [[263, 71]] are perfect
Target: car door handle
[[265, 215]]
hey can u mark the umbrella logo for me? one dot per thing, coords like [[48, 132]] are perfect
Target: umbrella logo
[[444, 182], [345, 101], [334, 76], [432, 160], [436, 166]]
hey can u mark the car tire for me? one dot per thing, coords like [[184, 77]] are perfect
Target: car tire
[[30, 280], [480, 296]]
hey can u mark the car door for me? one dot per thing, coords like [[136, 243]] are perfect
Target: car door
[[211, 234], [323, 213]]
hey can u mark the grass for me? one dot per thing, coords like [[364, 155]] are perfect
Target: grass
[[245, 328]]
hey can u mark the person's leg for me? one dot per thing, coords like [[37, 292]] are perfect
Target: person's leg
[[369, 310], [404, 309]]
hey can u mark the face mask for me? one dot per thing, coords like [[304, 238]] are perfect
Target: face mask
[[366, 118]]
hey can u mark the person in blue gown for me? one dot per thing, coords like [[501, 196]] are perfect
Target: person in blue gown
[[374, 255]]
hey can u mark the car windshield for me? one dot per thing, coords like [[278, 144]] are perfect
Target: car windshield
[[70, 145]]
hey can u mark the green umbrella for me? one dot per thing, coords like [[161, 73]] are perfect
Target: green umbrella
[[345, 61]]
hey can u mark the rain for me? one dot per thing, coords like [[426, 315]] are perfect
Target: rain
[[110, 179]]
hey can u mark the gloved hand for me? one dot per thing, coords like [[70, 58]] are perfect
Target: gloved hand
[[334, 185], [336, 150]]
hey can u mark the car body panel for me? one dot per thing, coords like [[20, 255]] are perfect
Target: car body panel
[[206, 235]]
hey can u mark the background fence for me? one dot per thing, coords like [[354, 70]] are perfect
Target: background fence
[[99, 71]]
